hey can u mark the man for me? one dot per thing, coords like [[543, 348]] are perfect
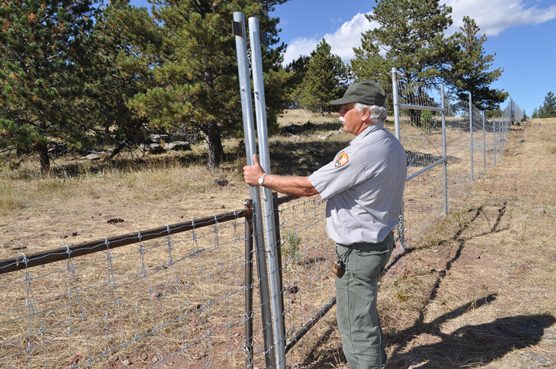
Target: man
[[363, 188]]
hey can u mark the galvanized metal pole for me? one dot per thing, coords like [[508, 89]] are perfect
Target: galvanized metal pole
[[250, 149], [494, 140], [396, 105], [444, 149], [396, 102], [471, 138], [273, 264], [249, 232], [279, 252], [484, 142]]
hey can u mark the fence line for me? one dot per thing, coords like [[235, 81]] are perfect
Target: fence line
[[188, 289], [24, 262]]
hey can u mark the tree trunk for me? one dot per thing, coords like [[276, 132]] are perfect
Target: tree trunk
[[42, 149], [116, 150], [214, 142]]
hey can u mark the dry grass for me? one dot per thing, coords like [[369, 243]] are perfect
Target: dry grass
[[301, 116], [475, 290]]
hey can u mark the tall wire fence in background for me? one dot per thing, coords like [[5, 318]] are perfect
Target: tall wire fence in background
[[188, 295], [449, 143]]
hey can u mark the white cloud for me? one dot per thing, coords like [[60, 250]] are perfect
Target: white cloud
[[342, 41], [492, 16], [495, 16]]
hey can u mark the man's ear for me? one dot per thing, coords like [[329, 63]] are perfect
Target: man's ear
[[366, 114]]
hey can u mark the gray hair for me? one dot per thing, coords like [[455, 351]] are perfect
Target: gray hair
[[377, 112]]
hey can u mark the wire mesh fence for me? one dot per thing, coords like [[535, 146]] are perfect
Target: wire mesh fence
[[191, 299], [176, 296], [438, 177], [307, 256]]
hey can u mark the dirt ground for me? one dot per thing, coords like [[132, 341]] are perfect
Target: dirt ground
[[478, 291]]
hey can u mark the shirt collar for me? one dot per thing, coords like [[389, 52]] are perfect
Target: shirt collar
[[367, 131]]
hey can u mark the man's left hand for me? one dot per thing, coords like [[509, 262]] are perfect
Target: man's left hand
[[252, 173]]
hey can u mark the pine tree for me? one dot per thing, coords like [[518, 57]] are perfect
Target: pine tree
[[325, 79], [196, 85], [548, 108], [409, 37], [126, 44], [297, 69], [470, 70], [42, 95]]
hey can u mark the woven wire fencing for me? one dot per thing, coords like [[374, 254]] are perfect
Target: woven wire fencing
[[438, 178], [307, 279], [147, 304], [420, 132], [191, 298]]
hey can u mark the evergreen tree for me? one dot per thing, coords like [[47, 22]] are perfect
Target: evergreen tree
[[42, 95], [548, 108], [196, 85], [409, 37], [325, 79], [297, 69], [470, 71], [125, 48]]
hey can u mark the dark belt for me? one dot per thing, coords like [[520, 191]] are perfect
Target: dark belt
[[367, 246]]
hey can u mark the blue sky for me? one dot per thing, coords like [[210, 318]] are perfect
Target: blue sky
[[521, 33]]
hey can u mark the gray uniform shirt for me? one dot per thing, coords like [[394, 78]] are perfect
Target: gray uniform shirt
[[363, 187]]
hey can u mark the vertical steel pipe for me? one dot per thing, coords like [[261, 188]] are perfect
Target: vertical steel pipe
[[279, 253], [494, 140], [262, 133], [484, 142], [250, 149], [396, 106], [471, 169], [248, 345], [444, 149]]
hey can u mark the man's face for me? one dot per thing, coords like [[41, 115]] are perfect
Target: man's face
[[352, 118]]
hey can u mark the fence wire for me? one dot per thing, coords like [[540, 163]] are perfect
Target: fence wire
[[179, 297], [307, 257], [473, 144], [180, 300]]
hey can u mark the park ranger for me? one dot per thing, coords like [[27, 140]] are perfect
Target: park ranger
[[363, 188]]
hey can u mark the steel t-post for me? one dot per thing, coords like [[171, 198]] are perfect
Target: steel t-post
[[396, 105], [250, 149], [444, 150], [273, 263]]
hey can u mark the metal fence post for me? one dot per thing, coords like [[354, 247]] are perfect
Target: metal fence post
[[260, 112], [250, 149], [484, 142], [444, 150], [494, 140], [279, 253], [396, 105], [249, 285], [471, 138]]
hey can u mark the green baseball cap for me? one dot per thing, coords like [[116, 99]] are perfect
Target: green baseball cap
[[364, 92]]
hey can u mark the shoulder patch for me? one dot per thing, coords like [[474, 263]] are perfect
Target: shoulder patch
[[343, 159]]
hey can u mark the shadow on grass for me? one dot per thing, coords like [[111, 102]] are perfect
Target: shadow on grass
[[475, 344], [469, 345]]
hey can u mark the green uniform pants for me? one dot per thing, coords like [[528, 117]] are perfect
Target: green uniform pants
[[356, 312]]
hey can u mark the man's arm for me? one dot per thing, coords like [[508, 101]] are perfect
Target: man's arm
[[290, 185]]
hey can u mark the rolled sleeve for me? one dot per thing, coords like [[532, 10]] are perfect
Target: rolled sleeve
[[331, 180]]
